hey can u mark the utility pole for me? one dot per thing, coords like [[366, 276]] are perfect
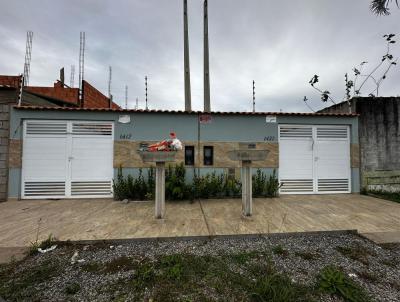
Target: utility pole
[[207, 105], [188, 97], [145, 84], [71, 80], [81, 66], [254, 96], [110, 97], [126, 96], [28, 55]]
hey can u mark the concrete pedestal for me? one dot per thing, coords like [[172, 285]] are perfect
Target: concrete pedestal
[[246, 156], [160, 158], [247, 189], [160, 190]]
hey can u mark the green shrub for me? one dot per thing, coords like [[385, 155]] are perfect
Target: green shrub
[[211, 185], [334, 282], [265, 187]]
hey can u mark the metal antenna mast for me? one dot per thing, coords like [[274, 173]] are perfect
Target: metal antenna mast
[[28, 54], [188, 97], [207, 106], [72, 77], [145, 83], [126, 96], [81, 65], [254, 96]]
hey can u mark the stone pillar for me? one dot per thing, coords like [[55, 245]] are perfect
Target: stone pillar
[[160, 190], [247, 198]]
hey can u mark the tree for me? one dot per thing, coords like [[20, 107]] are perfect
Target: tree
[[381, 7]]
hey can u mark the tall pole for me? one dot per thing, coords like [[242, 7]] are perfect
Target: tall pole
[[126, 96], [188, 97], [81, 66], [207, 106], [254, 96], [145, 84]]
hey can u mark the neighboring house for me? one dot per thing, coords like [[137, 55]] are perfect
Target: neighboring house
[[379, 132], [75, 152], [60, 95]]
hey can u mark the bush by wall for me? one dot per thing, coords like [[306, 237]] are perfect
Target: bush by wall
[[211, 185]]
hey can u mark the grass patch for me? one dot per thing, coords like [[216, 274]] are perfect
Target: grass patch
[[307, 255], [45, 244], [21, 285], [72, 288], [114, 266], [357, 253], [279, 250], [333, 281]]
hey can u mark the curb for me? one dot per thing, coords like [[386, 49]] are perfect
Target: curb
[[206, 237]]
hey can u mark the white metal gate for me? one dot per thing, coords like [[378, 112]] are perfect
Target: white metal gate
[[314, 159], [64, 159]]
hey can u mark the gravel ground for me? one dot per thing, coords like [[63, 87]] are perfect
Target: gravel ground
[[376, 268]]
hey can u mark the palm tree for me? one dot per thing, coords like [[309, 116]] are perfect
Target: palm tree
[[381, 7]]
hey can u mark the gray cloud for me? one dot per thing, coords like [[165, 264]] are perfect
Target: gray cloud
[[279, 44]]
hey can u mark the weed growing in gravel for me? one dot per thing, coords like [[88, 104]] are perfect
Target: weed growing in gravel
[[366, 275], [22, 284], [334, 282], [278, 288], [357, 253], [114, 266], [307, 255], [72, 288], [45, 244], [91, 267], [279, 250]]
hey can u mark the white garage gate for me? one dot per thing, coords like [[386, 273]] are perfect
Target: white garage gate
[[67, 159], [314, 159]]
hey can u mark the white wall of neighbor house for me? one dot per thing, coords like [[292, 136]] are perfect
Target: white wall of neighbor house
[[222, 132]]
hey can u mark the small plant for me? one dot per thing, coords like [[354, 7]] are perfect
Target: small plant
[[307, 255], [72, 288], [279, 250], [333, 281], [357, 253]]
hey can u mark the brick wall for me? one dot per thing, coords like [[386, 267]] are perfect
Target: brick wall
[[59, 92], [12, 81], [92, 98]]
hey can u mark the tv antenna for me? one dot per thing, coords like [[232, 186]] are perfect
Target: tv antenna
[[28, 54]]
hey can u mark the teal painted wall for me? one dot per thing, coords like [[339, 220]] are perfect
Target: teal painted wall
[[156, 126]]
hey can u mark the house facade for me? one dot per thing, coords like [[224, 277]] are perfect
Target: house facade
[[76, 152]]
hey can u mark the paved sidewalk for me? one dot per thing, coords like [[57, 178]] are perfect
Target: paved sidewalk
[[95, 219]]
